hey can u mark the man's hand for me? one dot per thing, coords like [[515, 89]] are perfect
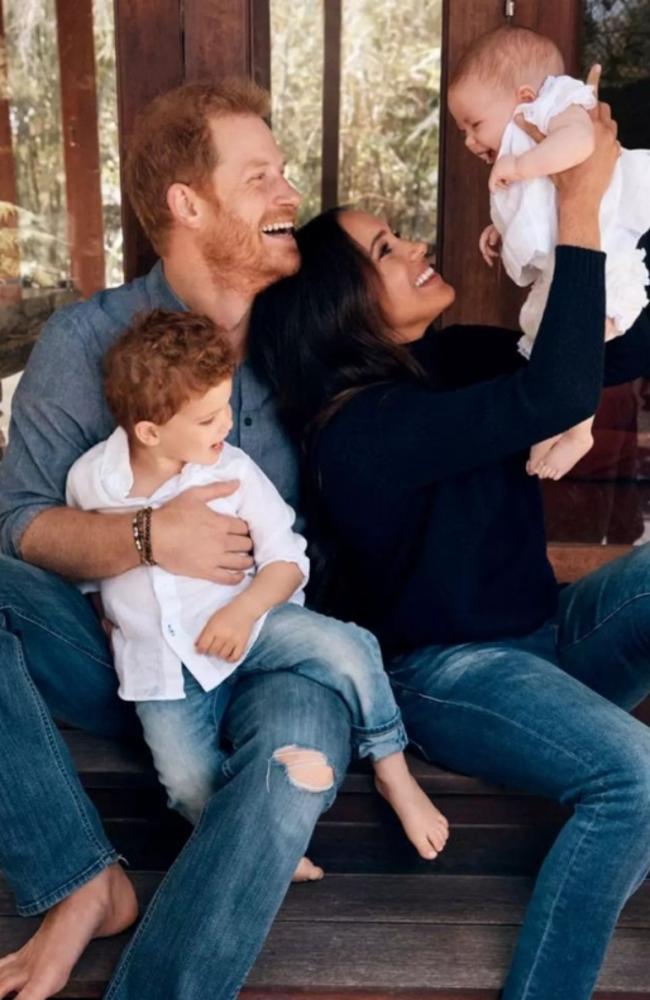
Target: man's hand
[[489, 244], [226, 633], [189, 539], [504, 172]]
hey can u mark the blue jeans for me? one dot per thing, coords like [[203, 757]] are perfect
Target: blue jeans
[[231, 876], [183, 734], [547, 713]]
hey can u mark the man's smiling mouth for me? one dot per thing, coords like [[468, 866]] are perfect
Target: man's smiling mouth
[[279, 229]]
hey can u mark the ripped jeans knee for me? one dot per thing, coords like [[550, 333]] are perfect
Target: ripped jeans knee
[[306, 769]]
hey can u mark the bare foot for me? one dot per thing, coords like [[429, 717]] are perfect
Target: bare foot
[[564, 454], [307, 871], [104, 906], [424, 825], [538, 454]]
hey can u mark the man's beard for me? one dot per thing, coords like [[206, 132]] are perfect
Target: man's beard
[[236, 257]]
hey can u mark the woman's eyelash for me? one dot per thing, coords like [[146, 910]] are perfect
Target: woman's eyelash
[[383, 250]]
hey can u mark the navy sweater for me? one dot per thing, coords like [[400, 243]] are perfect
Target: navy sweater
[[424, 484]]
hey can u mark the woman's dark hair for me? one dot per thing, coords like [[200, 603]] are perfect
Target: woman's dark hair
[[319, 336]]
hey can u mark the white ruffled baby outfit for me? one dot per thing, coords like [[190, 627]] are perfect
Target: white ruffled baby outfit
[[525, 214]]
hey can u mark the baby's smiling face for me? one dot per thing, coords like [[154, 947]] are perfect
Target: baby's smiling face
[[482, 110]]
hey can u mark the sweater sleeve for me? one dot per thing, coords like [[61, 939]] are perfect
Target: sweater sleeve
[[423, 435], [461, 355]]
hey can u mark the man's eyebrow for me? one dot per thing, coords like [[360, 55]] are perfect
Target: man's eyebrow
[[251, 164], [377, 236]]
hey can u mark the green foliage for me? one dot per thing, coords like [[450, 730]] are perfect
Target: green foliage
[[33, 91], [390, 94], [616, 33]]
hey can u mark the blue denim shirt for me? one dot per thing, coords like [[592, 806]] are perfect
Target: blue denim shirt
[[59, 409]]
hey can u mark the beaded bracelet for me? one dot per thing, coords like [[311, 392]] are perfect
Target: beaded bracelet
[[141, 527]]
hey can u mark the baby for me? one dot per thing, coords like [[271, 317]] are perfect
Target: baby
[[514, 71], [180, 642]]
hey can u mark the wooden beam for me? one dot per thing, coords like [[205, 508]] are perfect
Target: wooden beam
[[218, 37], [149, 49], [261, 42], [484, 294], [331, 104], [85, 222], [10, 290]]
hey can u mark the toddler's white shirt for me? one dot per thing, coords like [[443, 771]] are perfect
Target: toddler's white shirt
[[158, 615], [525, 213]]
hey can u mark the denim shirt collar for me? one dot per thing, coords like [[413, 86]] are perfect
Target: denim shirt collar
[[161, 292]]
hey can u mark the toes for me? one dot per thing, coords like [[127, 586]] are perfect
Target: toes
[[426, 850], [307, 871], [11, 982]]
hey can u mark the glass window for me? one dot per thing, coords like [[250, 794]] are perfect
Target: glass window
[[59, 207], [389, 93], [606, 497]]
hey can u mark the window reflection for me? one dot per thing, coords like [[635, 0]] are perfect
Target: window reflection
[[605, 499]]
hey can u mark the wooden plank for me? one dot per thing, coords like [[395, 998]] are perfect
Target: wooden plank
[[333, 15], [218, 39], [149, 50], [572, 562], [10, 290], [388, 898], [105, 763], [81, 144], [361, 848], [403, 899], [371, 958]]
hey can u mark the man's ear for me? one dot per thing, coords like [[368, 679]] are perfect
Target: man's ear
[[146, 432], [526, 94], [183, 203]]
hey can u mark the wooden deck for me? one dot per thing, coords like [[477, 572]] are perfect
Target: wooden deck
[[382, 924]]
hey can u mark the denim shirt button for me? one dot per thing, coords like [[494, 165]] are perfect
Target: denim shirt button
[[248, 421]]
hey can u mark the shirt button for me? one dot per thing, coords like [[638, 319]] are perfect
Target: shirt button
[[248, 421]]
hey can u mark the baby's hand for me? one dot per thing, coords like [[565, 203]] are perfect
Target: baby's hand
[[226, 633], [490, 244], [504, 172]]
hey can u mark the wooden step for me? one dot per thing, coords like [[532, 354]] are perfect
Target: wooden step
[[373, 937], [494, 831], [105, 764]]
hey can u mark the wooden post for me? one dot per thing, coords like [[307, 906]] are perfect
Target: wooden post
[[10, 260], [218, 38], [163, 43], [149, 50], [484, 295], [81, 143], [331, 104]]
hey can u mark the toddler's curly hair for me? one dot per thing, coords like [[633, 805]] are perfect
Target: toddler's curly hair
[[161, 361]]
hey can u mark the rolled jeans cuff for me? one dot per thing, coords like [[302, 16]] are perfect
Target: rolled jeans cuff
[[380, 742], [35, 907]]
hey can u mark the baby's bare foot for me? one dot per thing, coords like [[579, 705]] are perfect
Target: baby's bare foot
[[564, 455], [424, 825], [538, 454], [307, 871], [104, 906]]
